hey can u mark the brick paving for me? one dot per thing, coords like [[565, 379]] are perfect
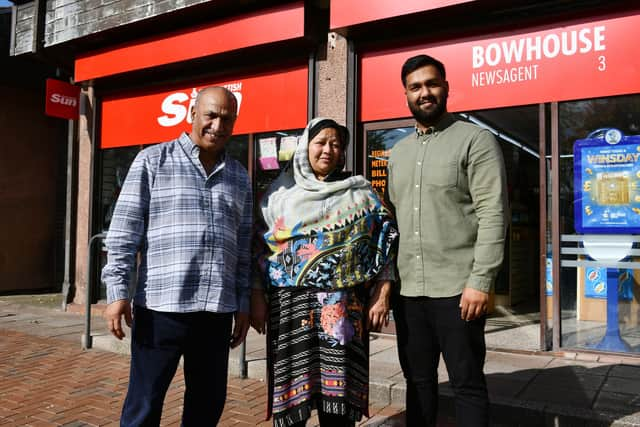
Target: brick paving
[[45, 379], [51, 382]]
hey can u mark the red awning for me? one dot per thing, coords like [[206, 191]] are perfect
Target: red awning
[[267, 26]]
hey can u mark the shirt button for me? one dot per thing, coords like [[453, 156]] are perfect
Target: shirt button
[[416, 232], [417, 185], [415, 208], [419, 163], [418, 256]]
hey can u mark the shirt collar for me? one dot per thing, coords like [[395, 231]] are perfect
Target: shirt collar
[[188, 145], [445, 121], [193, 150], [427, 131]]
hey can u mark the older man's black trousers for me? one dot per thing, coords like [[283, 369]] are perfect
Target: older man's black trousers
[[158, 341], [427, 327]]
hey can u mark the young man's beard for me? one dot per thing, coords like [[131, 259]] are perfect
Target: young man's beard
[[428, 118]]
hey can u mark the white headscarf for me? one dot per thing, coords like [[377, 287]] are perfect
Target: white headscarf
[[298, 197]]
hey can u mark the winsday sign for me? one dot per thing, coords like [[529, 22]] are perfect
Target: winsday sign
[[267, 102], [585, 60]]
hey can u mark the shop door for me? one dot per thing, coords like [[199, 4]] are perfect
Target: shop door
[[514, 321]]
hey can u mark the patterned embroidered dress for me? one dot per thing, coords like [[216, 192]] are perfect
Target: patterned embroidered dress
[[327, 239]]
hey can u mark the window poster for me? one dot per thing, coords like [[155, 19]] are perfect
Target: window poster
[[377, 166], [267, 158], [549, 277], [595, 283], [606, 181], [288, 146]]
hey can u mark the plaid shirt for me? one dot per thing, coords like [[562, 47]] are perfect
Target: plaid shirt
[[192, 232]]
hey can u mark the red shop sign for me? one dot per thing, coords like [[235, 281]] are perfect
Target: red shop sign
[[268, 102], [578, 61], [63, 99], [344, 13]]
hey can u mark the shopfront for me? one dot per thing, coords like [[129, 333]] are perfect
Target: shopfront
[[272, 96], [544, 91]]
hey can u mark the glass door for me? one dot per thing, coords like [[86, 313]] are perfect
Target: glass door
[[514, 321]]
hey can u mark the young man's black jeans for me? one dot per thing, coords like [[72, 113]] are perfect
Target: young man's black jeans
[[158, 341], [426, 327]]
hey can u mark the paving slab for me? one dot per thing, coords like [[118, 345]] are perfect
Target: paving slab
[[618, 402], [626, 385], [625, 371], [566, 378]]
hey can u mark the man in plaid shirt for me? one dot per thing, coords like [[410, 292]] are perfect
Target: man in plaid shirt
[[186, 208]]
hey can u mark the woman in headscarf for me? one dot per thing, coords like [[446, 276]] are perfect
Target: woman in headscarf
[[329, 271]]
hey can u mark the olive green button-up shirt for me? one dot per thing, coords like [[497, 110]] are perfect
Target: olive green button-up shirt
[[448, 188]]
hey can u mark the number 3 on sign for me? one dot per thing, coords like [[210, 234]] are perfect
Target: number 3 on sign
[[602, 65]]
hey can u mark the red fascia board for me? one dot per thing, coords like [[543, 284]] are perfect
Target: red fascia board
[[272, 25], [346, 13]]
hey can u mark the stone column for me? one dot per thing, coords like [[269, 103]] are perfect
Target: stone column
[[332, 79], [86, 134]]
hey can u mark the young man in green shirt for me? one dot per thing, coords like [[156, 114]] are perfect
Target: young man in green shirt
[[448, 187]]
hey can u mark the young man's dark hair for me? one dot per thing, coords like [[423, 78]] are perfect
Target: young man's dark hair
[[420, 61]]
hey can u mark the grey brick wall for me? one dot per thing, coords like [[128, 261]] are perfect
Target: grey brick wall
[[70, 19]]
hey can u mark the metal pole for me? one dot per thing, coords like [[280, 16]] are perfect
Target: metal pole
[[555, 227], [243, 360], [312, 87], [351, 113], [68, 223], [87, 340], [543, 215]]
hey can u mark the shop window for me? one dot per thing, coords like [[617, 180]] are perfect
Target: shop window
[[115, 165], [238, 148], [600, 300], [515, 309], [273, 151], [379, 143]]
